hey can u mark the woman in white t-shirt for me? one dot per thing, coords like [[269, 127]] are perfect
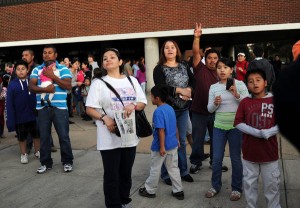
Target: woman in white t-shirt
[[102, 104]]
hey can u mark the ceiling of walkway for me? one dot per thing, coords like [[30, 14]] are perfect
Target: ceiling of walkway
[[135, 47]]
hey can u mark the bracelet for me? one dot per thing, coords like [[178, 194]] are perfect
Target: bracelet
[[134, 105], [102, 116]]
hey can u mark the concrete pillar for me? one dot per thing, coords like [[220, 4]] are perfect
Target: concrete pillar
[[151, 59], [231, 53]]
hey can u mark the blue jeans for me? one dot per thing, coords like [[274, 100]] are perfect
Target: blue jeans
[[60, 119], [200, 124], [181, 119], [234, 138]]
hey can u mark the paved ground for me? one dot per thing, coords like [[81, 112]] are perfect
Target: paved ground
[[21, 186]]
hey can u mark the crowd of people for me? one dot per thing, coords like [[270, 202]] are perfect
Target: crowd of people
[[232, 101]]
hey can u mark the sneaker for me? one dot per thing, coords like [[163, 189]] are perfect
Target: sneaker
[[178, 195], [71, 122], [43, 169], [68, 167], [144, 192], [187, 178], [24, 158], [195, 168], [37, 154]]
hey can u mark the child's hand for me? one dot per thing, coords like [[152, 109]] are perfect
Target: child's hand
[[234, 92], [162, 151], [218, 100]]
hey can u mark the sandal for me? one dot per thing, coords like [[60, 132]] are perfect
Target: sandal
[[235, 195], [211, 193]]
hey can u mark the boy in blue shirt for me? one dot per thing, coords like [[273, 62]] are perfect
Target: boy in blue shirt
[[21, 110], [164, 146]]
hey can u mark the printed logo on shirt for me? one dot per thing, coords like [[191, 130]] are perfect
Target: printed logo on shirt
[[267, 110], [127, 95]]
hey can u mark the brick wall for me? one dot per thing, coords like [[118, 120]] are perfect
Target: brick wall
[[73, 18]]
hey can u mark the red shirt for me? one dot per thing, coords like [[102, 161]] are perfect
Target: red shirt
[[204, 79], [80, 76], [259, 114], [240, 75]]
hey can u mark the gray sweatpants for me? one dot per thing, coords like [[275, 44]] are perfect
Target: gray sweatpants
[[171, 162], [270, 175]]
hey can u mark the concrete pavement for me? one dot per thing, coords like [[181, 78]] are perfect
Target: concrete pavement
[[21, 186]]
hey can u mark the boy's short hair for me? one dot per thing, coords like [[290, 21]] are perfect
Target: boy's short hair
[[259, 71], [21, 62], [160, 91], [258, 51]]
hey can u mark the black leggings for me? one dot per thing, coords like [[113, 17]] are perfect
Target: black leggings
[[117, 165]]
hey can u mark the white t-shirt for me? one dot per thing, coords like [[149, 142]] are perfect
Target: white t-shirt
[[101, 96]]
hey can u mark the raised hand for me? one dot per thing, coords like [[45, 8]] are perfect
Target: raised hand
[[198, 30]]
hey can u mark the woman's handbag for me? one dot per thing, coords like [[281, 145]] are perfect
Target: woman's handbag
[[143, 127]]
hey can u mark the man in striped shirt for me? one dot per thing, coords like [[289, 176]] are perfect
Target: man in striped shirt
[[56, 113]]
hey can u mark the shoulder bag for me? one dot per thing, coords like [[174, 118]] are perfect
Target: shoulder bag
[[143, 127]]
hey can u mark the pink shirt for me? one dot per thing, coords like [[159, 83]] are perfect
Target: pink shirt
[[80, 76], [141, 76], [44, 78]]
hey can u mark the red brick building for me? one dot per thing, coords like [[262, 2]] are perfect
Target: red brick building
[[139, 27]]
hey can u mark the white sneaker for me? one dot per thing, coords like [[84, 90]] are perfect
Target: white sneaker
[[37, 154], [43, 169], [68, 167], [24, 158]]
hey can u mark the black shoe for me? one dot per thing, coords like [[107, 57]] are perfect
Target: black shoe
[[195, 168], [143, 192], [71, 116], [53, 149], [224, 168], [206, 156], [168, 181], [178, 195], [49, 102], [42, 102], [187, 178], [71, 122]]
